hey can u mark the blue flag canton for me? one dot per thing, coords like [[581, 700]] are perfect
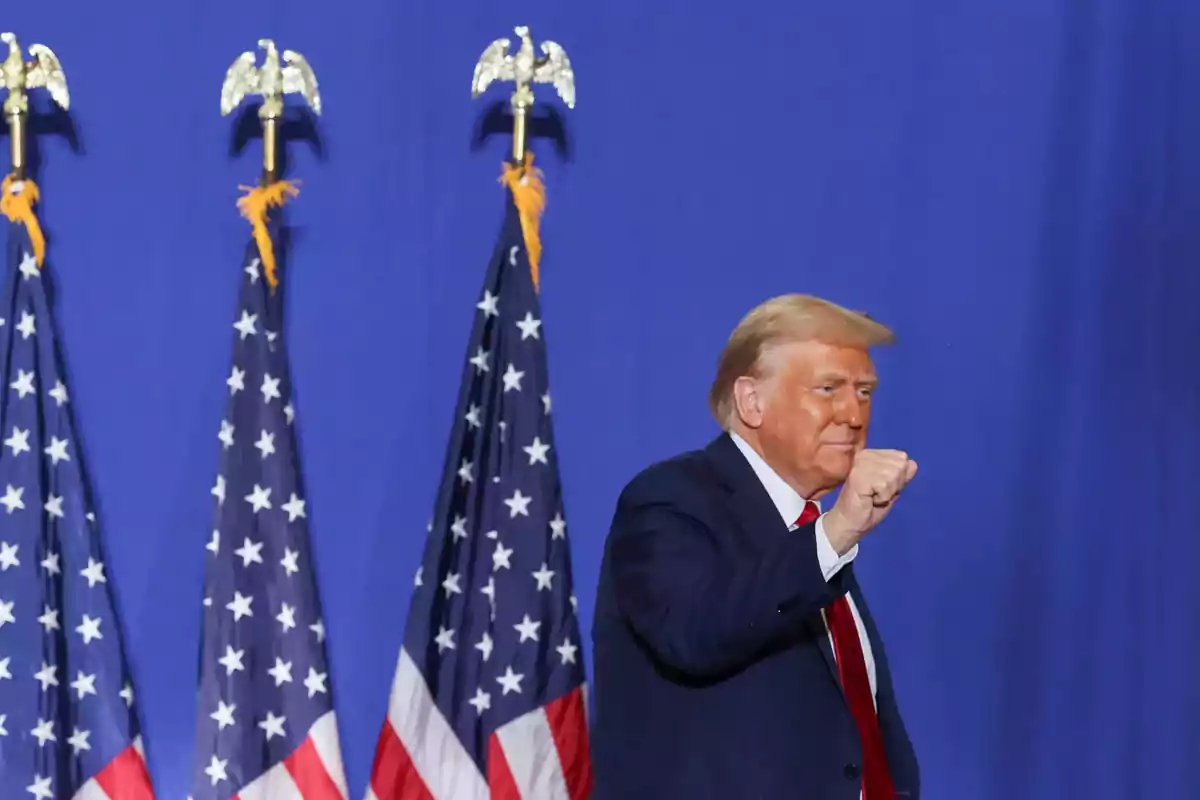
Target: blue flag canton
[[264, 679], [66, 700], [492, 626]]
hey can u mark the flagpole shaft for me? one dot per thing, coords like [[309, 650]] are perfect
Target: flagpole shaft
[[16, 131], [519, 120], [270, 150]]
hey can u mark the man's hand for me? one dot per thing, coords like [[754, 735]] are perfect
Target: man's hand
[[875, 481]]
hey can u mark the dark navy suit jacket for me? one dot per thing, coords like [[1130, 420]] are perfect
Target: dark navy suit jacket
[[714, 674]]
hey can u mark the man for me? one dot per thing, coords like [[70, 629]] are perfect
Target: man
[[735, 655]]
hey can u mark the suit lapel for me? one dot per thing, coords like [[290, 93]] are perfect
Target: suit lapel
[[760, 518]]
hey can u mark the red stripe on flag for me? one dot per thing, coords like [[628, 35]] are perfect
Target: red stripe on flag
[[125, 777], [500, 777], [568, 726], [393, 776], [309, 773]]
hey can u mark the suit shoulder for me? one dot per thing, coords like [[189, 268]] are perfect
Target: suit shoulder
[[676, 478]]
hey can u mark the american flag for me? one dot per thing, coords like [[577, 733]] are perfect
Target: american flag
[[67, 723], [488, 697], [265, 725]]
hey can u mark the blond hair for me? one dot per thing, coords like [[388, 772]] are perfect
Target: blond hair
[[781, 320]]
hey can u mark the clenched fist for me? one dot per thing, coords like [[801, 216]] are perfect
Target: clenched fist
[[875, 481]]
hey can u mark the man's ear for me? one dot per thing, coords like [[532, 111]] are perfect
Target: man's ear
[[748, 401]]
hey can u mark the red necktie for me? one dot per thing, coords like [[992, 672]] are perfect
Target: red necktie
[[852, 667]]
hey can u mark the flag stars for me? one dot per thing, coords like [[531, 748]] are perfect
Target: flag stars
[[273, 726], [567, 651], [485, 645], [84, 684], [250, 552], [6, 613], [12, 498], [57, 450], [29, 267], [59, 393], [472, 416], [23, 385], [537, 452], [528, 629], [8, 556], [236, 381], [49, 619], [294, 508], [126, 694], [245, 325], [252, 272], [286, 617], [240, 606], [40, 788], [558, 527], [281, 672], [489, 305], [543, 577], [223, 716], [288, 562], [266, 443], [218, 490], [500, 557], [512, 378], [450, 584], [19, 441], [46, 676], [318, 628], [94, 572], [315, 682], [511, 681], [44, 732], [89, 629], [529, 327], [216, 770], [5, 670], [214, 544], [232, 660], [226, 434], [53, 506], [458, 528], [27, 326], [465, 473], [260, 498], [482, 701], [444, 639], [518, 504], [50, 564], [546, 402], [270, 388], [480, 360]]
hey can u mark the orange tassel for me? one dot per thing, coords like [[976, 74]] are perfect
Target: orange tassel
[[529, 193], [19, 208], [254, 206]]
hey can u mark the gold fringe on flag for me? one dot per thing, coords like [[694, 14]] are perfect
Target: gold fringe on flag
[[529, 193], [254, 206], [18, 207]]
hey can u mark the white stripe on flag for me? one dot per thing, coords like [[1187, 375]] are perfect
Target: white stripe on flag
[[324, 735], [436, 753], [533, 757], [274, 784]]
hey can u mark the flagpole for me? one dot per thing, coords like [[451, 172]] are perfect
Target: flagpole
[[273, 80], [524, 69], [18, 77]]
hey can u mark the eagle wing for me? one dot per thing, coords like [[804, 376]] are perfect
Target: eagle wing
[[298, 77], [493, 65], [556, 70], [240, 79], [48, 72]]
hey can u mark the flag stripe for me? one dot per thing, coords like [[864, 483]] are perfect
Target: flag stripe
[[568, 724], [393, 775], [125, 777], [500, 777], [309, 773]]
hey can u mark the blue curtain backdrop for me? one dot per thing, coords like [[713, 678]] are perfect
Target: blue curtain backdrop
[[1014, 186]]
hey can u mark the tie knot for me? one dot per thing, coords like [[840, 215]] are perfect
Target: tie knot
[[810, 514]]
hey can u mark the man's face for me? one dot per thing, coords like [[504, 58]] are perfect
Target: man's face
[[816, 407]]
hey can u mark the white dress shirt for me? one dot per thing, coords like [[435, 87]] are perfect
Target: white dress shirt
[[791, 505]]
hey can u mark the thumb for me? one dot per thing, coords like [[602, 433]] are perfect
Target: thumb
[[910, 471]]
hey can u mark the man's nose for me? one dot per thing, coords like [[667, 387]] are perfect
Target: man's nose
[[849, 412]]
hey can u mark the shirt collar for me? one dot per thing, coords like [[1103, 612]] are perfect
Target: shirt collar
[[786, 499]]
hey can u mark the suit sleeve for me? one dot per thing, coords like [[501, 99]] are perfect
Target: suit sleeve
[[702, 611]]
